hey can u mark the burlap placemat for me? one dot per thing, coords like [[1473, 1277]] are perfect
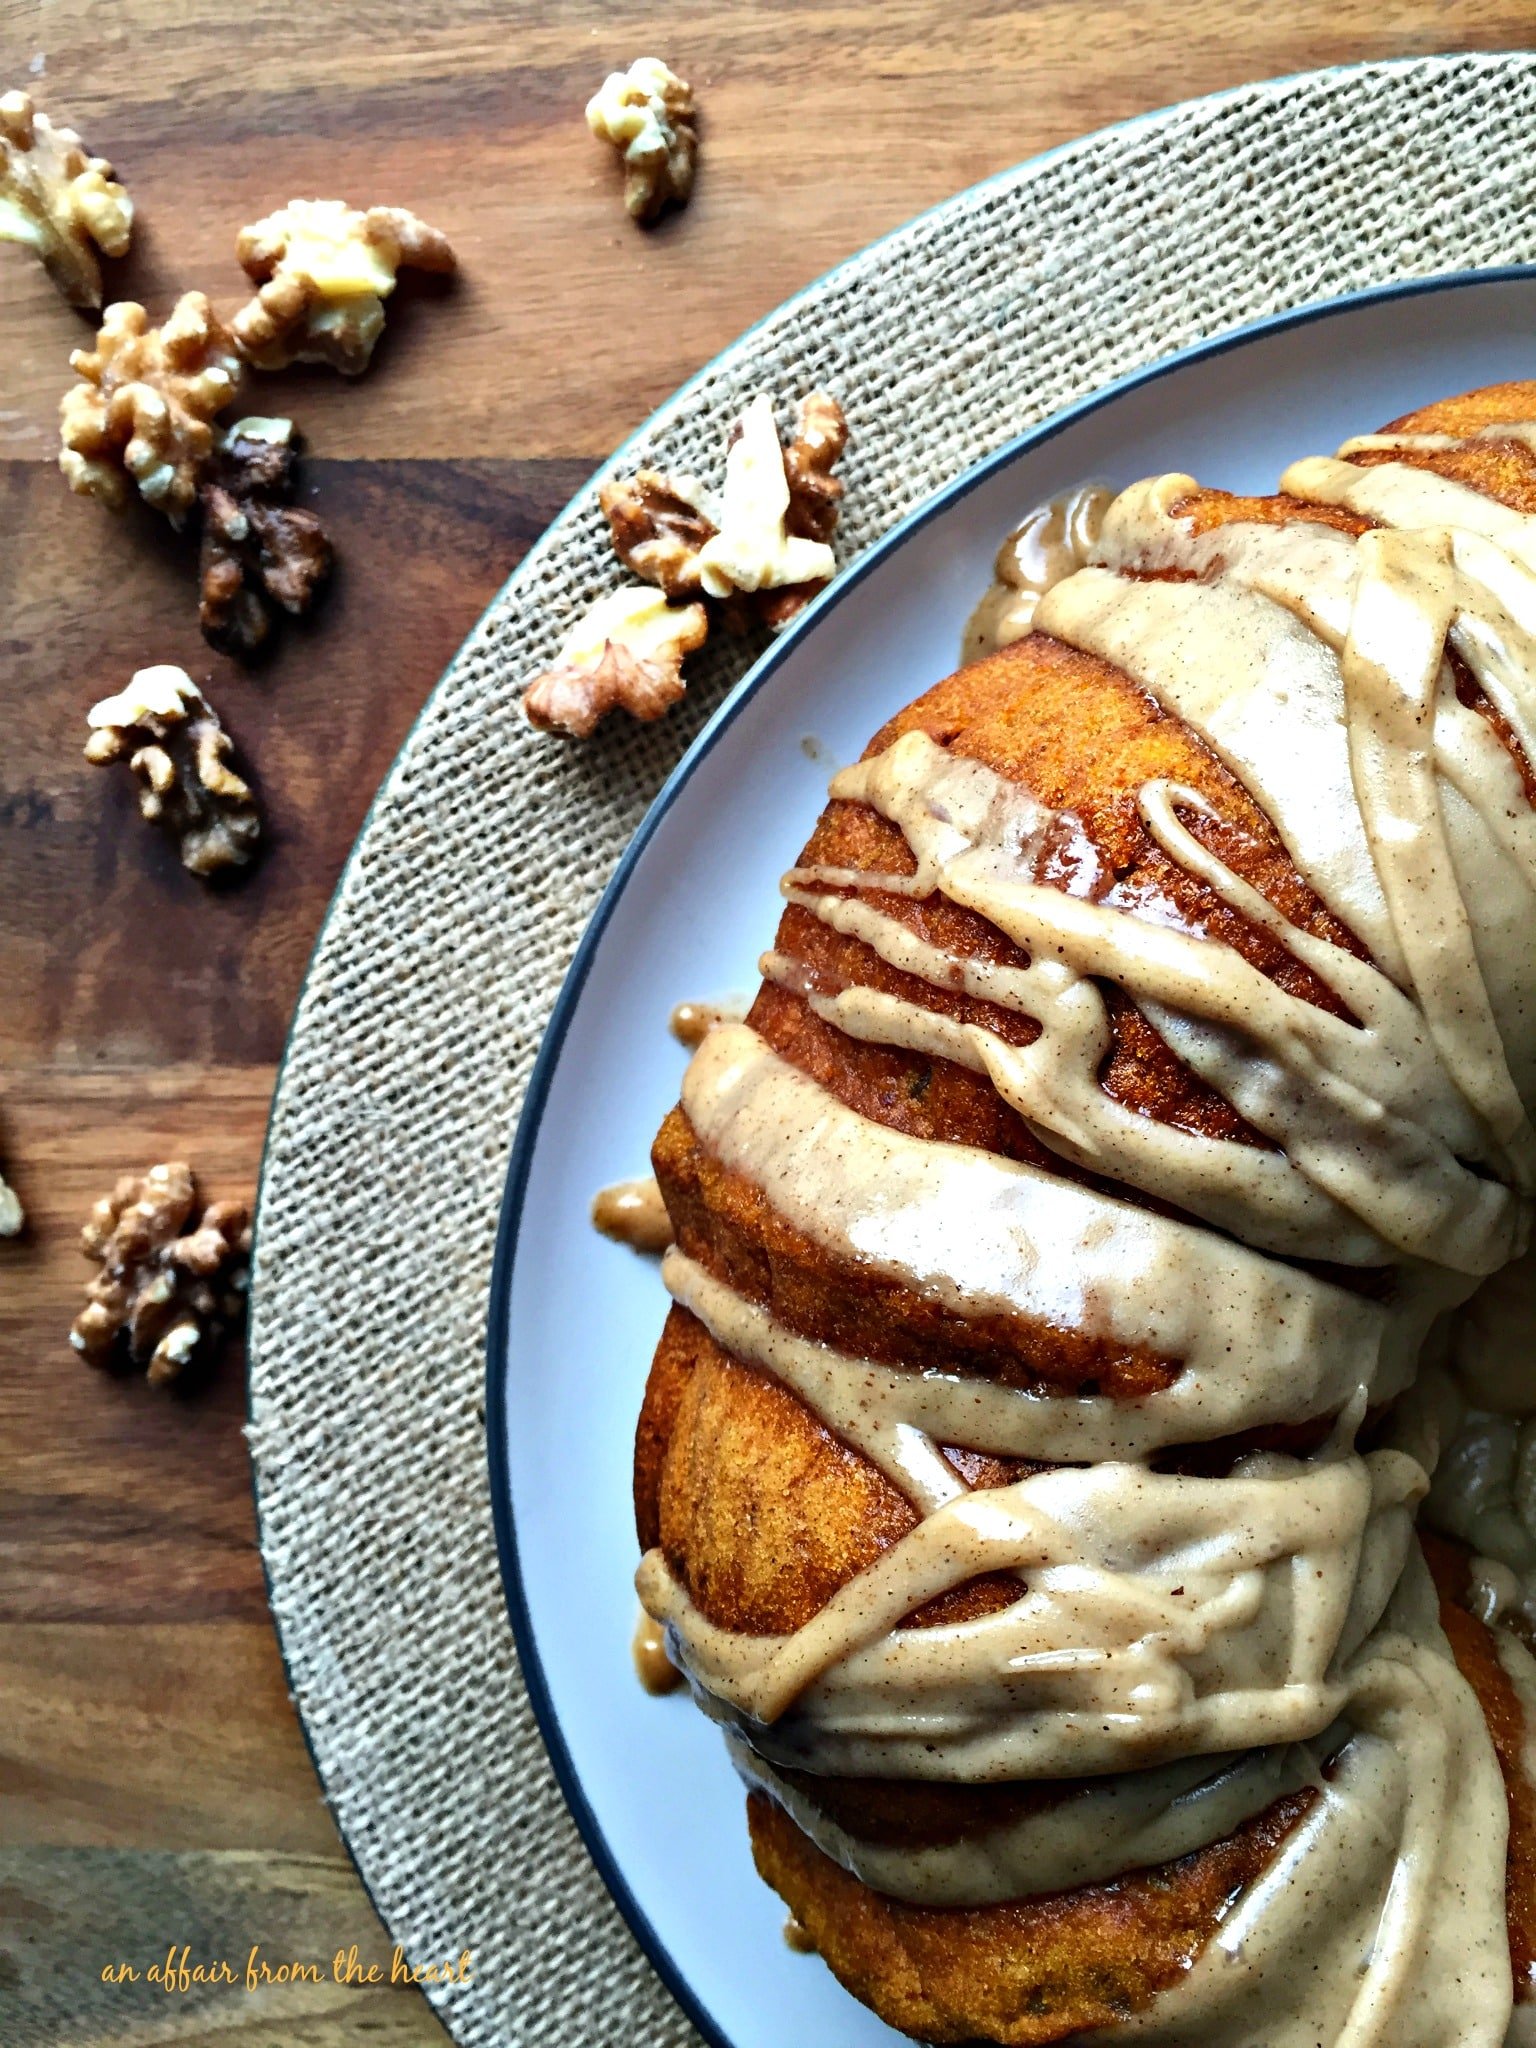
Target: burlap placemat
[[487, 848]]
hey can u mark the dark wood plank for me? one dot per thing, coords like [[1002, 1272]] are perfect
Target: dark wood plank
[[472, 114], [422, 547]]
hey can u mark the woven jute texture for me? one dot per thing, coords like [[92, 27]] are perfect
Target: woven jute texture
[[488, 847]]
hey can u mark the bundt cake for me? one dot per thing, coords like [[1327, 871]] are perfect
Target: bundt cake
[[1070, 1251]]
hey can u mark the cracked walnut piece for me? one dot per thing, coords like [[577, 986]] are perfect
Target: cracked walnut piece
[[145, 405], [59, 201], [169, 1292], [175, 745], [258, 552], [766, 539], [646, 112], [626, 649], [325, 271]]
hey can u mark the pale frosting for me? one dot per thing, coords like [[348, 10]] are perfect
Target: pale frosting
[[1163, 1616], [894, 1416], [1049, 542], [1197, 1645], [988, 1236], [1124, 1822], [1381, 1920]]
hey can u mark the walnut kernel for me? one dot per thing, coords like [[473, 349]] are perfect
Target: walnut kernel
[[259, 553], [626, 649], [762, 549], [165, 1295], [325, 270], [174, 743], [659, 524], [145, 405], [61, 202], [647, 114]]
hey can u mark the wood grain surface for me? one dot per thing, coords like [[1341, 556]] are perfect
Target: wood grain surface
[[155, 1784]]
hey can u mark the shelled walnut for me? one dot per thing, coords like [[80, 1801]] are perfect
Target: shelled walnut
[[58, 200], [165, 1295], [626, 649], [325, 270], [647, 114], [259, 552], [659, 524], [761, 550], [174, 743], [146, 403]]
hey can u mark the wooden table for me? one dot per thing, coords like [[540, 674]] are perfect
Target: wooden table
[[156, 1787]]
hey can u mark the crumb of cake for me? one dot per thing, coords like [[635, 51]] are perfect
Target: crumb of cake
[[58, 200], [170, 735], [626, 650], [259, 554], [165, 1295], [760, 549], [145, 405], [647, 114], [324, 271]]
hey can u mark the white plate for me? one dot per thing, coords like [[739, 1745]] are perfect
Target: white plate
[[574, 1318]]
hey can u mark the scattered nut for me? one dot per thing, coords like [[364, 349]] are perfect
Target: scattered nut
[[626, 649], [146, 403], [178, 749], [754, 549], [59, 201], [646, 112], [325, 271], [170, 1298], [259, 552], [815, 497], [762, 549], [12, 1215], [659, 524]]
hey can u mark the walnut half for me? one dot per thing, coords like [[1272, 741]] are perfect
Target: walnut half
[[646, 113], [165, 1295], [61, 202], [259, 553], [626, 649], [145, 405], [325, 270], [174, 743], [762, 549]]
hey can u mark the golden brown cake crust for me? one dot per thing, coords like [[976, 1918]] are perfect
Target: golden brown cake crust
[[1023, 1974]]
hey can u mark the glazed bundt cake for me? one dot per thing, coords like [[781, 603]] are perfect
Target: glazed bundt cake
[[1070, 1251]]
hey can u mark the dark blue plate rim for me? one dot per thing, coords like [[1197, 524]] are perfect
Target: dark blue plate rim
[[498, 1352]]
